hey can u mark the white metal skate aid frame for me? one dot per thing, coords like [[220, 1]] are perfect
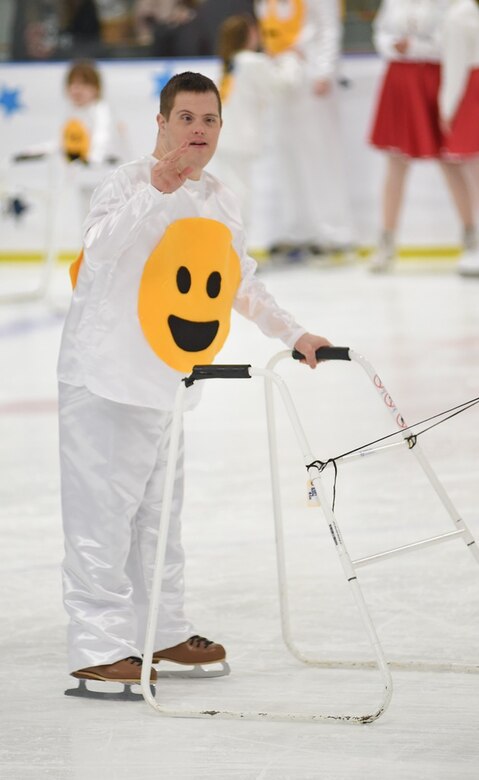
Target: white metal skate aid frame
[[349, 566]]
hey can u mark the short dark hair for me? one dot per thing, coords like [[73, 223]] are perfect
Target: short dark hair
[[186, 82]]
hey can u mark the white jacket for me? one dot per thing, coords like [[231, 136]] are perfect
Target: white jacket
[[418, 20], [103, 345]]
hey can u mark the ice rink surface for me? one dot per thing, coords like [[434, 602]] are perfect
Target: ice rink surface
[[419, 328]]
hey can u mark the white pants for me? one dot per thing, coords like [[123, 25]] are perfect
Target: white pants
[[112, 461], [310, 191]]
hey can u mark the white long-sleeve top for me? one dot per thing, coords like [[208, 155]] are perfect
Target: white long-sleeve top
[[319, 38], [103, 346], [460, 53], [255, 78], [420, 21]]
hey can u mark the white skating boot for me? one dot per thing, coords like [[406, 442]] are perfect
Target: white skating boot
[[468, 265], [382, 260], [469, 239]]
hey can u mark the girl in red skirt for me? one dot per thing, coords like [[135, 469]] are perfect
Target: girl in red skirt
[[408, 33], [459, 97]]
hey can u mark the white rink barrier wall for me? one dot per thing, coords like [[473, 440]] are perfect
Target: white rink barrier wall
[[31, 111]]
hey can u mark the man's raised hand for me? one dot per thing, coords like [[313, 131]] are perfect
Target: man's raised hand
[[168, 175]]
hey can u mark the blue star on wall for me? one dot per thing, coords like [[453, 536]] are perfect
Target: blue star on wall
[[10, 100], [16, 206], [159, 81]]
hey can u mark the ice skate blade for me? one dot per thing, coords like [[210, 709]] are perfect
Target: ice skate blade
[[468, 272], [380, 268], [83, 692], [197, 672]]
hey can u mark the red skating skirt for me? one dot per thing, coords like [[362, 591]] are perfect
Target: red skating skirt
[[463, 140], [407, 114]]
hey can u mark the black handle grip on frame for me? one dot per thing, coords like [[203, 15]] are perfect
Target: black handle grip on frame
[[326, 353], [217, 372]]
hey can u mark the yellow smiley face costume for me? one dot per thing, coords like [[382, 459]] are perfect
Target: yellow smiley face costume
[[76, 141], [281, 22], [187, 290]]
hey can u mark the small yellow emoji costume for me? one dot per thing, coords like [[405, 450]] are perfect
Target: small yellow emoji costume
[[281, 22], [187, 290], [76, 141]]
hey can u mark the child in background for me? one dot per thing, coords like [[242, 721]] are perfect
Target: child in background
[[459, 97], [88, 132], [248, 79], [88, 135]]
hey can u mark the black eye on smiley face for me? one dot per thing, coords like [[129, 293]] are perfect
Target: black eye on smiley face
[[213, 285], [183, 282], [194, 336]]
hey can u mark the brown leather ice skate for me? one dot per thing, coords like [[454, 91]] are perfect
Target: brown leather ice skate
[[127, 671], [196, 650]]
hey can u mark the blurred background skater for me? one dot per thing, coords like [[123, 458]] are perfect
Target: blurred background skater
[[88, 134], [406, 125], [459, 103], [249, 78], [88, 143], [313, 212]]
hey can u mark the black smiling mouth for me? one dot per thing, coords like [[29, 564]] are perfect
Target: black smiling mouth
[[192, 336]]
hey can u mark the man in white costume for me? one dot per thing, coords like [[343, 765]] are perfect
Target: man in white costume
[[163, 263], [310, 192]]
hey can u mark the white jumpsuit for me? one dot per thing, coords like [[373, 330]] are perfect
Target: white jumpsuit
[[117, 388]]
